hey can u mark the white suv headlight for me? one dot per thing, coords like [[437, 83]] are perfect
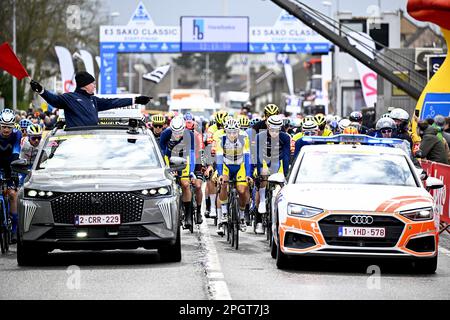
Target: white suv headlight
[[421, 214], [302, 211]]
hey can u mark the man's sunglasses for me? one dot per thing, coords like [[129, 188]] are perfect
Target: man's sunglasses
[[35, 138], [309, 133], [157, 127], [386, 131]]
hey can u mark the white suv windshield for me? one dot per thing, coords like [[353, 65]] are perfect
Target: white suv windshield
[[345, 168], [98, 152]]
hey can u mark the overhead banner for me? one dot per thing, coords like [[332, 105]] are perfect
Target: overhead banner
[[214, 34], [202, 34], [288, 35], [67, 69]]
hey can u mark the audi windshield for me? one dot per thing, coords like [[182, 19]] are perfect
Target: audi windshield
[[357, 168], [98, 152]]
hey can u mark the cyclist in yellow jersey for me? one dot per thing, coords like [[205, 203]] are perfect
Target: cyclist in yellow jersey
[[233, 163], [211, 190], [321, 121]]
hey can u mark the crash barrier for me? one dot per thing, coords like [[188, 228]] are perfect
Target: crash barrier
[[441, 196]]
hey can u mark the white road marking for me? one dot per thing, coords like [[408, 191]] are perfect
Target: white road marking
[[218, 289]]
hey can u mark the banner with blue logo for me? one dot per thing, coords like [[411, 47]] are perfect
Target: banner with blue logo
[[434, 104], [201, 34]]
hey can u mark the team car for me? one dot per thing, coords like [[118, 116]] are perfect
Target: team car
[[355, 196], [99, 188]]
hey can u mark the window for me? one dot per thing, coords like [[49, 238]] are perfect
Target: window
[[98, 152], [349, 168]]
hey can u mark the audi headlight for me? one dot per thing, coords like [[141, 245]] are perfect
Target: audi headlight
[[302, 211], [155, 192], [39, 194], [419, 214]]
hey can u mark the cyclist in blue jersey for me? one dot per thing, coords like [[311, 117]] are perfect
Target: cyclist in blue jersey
[[179, 142], [10, 139], [273, 155]]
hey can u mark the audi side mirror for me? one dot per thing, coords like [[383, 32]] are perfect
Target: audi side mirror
[[433, 184]]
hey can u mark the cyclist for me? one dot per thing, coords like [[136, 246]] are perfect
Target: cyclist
[[385, 128], [344, 123], [178, 141], [244, 122], [211, 190], [309, 128], [273, 155], [401, 118], [191, 125], [357, 117], [9, 151], [269, 110], [307, 119], [233, 162], [157, 125], [30, 148], [24, 124], [321, 121]]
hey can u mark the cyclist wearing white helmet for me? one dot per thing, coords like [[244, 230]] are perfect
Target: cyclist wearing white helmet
[[401, 118], [180, 142], [273, 155], [309, 128], [385, 127], [9, 151], [233, 163], [344, 123]]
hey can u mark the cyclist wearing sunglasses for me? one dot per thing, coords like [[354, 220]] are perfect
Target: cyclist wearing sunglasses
[[31, 145], [273, 155], [157, 125], [179, 142], [233, 163], [9, 151], [385, 127]]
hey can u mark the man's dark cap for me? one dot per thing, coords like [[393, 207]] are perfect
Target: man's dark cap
[[83, 79]]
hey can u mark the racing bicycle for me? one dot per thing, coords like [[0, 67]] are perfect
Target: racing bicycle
[[185, 224], [6, 222], [233, 224]]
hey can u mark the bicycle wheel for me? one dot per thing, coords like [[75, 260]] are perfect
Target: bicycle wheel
[[3, 233], [2, 240], [268, 214], [236, 225], [191, 219]]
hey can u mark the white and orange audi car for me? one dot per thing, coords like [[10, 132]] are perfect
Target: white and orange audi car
[[355, 196]]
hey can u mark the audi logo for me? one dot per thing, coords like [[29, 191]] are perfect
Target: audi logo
[[361, 219]]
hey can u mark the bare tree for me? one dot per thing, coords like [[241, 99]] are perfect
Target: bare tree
[[42, 24]]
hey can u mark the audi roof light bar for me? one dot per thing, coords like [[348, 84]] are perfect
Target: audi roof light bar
[[353, 138]]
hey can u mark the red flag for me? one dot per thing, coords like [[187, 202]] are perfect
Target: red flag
[[10, 63]]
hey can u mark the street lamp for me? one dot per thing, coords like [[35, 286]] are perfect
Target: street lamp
[[113, 15], [328, 4]]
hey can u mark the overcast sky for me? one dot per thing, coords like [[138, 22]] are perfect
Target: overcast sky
[[261, 12]]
